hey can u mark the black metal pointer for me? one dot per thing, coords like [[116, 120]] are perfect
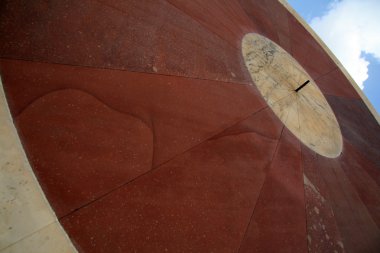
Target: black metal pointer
[[303, 85]]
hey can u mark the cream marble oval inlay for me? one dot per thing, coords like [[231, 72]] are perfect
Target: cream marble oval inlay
[[305, 112]]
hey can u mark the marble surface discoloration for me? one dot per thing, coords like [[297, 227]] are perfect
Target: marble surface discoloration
[[305, 113]]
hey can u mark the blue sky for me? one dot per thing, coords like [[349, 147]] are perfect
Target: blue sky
[[350, 29]]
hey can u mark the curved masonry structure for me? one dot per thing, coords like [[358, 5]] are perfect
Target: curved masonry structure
[[141, 125]]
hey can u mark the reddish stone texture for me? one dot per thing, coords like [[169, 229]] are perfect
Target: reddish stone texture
[[358, 229], [69, 32], [201, 201], [162, 104], [308, 52], [271, 18], [278, 223], [323, 234], [335, 83], [263, 122], [356, 156], [212, 14], [184, 46], [358, 126], [260, 16], [182, 158], [81, 148], [365, 177], [337, 205], [147, 36], [274, 12]]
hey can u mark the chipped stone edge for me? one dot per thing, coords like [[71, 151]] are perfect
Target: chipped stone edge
[[333, 57], [17, 142]]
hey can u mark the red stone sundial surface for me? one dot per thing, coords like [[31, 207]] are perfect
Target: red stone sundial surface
[[147, 134]]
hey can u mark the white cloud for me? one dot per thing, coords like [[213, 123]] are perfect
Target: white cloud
[[350, 28]]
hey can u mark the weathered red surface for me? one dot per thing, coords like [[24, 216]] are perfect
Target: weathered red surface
[[366, 182], [146, 133], [323, 234], [201, 200], [358, 229], [308, 52], [145, 36], [213, 15], [360, 130], [172, 114], [336, 84], [278, 222], [82, 165]]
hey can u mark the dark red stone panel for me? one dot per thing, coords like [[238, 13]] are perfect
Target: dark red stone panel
[[264, 123], [276, 12], [358, 230], [335, 83], [323, 234], [365, 177], [308, 52], [201, 201], [358, 158], [71, 32], [80, 148], [181, 111], [271, 18], [358, 126], [225, 18], [185, 46], [166, 115], [278, 223], [285, 41], [144, 36], [260, 16]]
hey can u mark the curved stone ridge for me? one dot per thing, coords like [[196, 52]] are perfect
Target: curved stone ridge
[[292, 94]]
